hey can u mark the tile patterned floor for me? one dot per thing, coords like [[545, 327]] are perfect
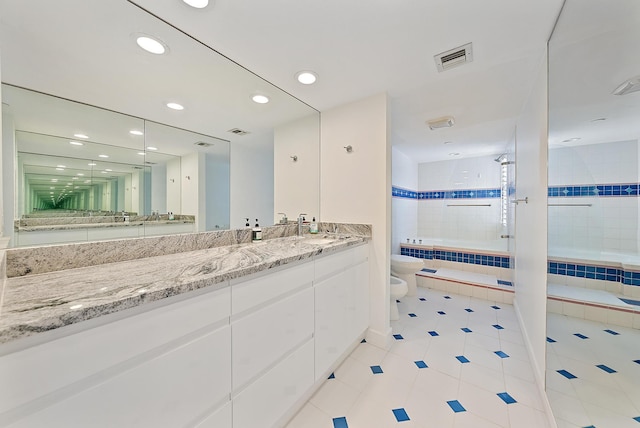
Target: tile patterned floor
[[456, 361], [593, 374]]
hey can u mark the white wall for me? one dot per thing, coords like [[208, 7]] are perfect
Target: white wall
[[531, 223], [610, 223], [356, 188], [471, 223], [190, 167], [252, 179], [297, 184], [404, 212]]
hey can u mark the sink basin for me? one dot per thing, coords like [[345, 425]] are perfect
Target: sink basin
[[321, 241]]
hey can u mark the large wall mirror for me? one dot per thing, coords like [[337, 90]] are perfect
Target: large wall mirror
[[99, 155], [593, 324]]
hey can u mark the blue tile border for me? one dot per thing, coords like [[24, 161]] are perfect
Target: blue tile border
[[474, 258], [603, 273], [400, 192], [594, 190]]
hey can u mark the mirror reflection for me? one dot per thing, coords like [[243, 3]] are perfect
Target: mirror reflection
[[594, 259]]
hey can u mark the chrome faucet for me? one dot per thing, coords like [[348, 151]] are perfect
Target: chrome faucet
[[300, 218], [284, 219]]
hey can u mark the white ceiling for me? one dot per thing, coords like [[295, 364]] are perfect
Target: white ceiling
[[358, 48]]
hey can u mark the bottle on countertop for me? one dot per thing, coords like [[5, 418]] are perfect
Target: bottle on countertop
[[313, 227], [256, 233], [171, 216], [247, 222]]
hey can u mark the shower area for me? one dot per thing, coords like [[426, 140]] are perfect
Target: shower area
[[593, 173]]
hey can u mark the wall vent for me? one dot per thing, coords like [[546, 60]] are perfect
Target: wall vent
[[238, 131], [454, 57], [203, 144]]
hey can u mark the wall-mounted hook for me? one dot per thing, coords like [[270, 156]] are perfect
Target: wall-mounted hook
[[187, 177], [348, 148], [294, 157]]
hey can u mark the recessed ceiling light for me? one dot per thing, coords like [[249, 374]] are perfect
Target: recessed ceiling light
[[260, 99], [83, 136], [306, 77], [175, 106], [152, 148], [136, 132], [198, 4], [76, 143], [151, 45], [92, 164], [103, 156]]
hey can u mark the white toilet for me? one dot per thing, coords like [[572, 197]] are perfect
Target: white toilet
[[397, 290], [405, 267]]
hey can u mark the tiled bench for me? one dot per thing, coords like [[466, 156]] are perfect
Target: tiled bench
[[466, 283]]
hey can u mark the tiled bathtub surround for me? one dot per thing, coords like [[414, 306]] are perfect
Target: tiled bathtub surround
[[591, 190], [34, 260], [622, 274], [476, 258]]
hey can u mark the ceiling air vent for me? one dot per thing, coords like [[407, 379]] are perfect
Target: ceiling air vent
[[203, 144], [238, 131], [454, 57], [442, 122]]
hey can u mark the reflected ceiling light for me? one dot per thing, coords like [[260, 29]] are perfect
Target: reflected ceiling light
[[175, 106], [152, 148], [454, 154], [141, 153], [83, 136], [92, 164], [151, 44], [74, 178], [448, 142], [59, 169], [52, 188], [76, 187], [260, 99], [80, 174], [87, 181], [136, 132], [198, 4], [629, 86], [61, 166], [51, 193], [54, 179], [108, 170], [306, 77], [76, 143], [103, 156], [571, 140], [103, 172]]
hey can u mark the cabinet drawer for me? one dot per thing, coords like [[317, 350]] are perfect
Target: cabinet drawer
[[56, 364], [168, 391], [255, 292]]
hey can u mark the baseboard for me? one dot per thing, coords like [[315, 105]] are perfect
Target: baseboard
[[537, 373], [382, 340]]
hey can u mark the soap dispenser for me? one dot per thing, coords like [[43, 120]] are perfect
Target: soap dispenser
[[313, 228], [256, 233]]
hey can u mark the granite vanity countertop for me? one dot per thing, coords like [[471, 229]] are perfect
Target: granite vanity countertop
[[40, 302]]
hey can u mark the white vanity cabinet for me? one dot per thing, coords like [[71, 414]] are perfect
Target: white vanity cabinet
[[244, 356]]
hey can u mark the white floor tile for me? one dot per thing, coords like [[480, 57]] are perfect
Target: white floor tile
[[522, 416], [334, 397], [311, 417]]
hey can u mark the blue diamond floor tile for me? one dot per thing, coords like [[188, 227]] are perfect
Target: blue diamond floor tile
[[631, 301], [447, 297], [590, 426], [376, 369], [606, 369], [636, 361], [442, 313], [498, 327], [423, 299], [506, 398], [400, 414], [550, 340], [412, 315], [421, 364], [495, 307], [332, 376], [398, 337], [567, 374], [469, 310], [501, 354], [340, 423], [363, 341], [456, 406], [581, 336], [434, 333], [615, 333], [462, 359], [637, 419], [466, 330]]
